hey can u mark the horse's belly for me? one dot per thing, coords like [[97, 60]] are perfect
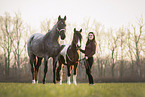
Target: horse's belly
[[64, 52], [38, 50], [41, 55]]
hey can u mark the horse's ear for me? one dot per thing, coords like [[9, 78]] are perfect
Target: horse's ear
[[59, 17], [64, 17], [80, 30], [74, 29]]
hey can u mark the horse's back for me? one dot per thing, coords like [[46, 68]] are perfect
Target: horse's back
[[34, 43], [35, 37]]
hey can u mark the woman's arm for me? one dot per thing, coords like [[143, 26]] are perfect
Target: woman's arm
[[83, 51]]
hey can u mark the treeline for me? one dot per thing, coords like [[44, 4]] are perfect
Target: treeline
[[120, 54]]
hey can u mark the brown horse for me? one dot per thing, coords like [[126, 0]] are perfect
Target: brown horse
[[69, 56]]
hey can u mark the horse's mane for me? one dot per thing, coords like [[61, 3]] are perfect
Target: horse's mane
[[52, 30], [78, 34]]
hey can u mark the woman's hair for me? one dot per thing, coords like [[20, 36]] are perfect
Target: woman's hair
[[92, 39]]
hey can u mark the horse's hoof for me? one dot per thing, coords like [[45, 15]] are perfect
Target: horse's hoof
[[60, 83], [54, 82], [43, 82], [68, 83], [75, 83], [33, 81]]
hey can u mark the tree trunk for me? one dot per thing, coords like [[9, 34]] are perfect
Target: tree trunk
[[112, 69], [6, 66]]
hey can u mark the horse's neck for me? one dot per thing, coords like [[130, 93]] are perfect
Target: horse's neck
[[73, 47], [73, 54], [52, 35]]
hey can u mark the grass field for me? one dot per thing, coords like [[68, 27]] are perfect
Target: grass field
[[64, 90]]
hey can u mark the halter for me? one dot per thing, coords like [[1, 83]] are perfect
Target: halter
[[60, 30], [76, 61]]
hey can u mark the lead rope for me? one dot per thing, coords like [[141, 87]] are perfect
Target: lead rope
[[69, 58]]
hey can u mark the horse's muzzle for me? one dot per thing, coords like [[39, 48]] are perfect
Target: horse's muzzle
[[63, 37], [78, 46]]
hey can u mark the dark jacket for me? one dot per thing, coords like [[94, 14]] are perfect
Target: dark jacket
[[90, 49]]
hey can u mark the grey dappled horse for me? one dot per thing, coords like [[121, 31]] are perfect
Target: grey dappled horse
[[46, 46]]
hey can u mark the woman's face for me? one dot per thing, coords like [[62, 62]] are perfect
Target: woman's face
[[91, 36]]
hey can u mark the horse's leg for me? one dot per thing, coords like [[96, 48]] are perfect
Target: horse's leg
[[59, 73], [33, 62], [54, 69], [69, 74], [75, 73], [37, 68], [45, 69]]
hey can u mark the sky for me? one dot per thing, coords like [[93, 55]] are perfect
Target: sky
[[111, 13]]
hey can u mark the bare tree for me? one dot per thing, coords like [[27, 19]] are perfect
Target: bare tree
[[19, 44], [130, 50], [7, 41], [113, 46], [99, 33], [122, 53], [137, 41], [45, 25]]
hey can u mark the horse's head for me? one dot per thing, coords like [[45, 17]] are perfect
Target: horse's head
[[61, 27], [77, 37]]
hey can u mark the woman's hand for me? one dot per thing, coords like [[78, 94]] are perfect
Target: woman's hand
[[83, 51], [86, 57]]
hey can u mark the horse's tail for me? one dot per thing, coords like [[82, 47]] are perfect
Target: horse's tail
[[29, 42], [31, 39]]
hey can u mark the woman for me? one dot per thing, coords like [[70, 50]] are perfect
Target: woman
[[89, 51]]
